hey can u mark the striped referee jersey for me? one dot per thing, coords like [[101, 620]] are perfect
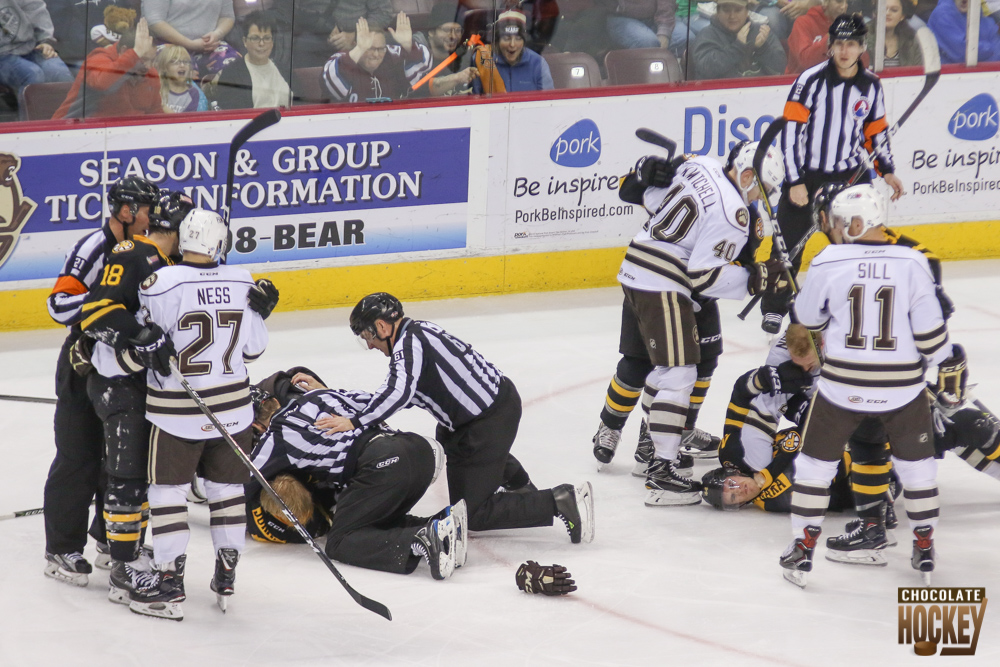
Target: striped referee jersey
[[831, 119], [80, 272], [433, 370]]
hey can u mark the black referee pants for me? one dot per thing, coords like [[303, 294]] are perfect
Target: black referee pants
[[371, 527], [477, 454], [794, 221], [74, 475]]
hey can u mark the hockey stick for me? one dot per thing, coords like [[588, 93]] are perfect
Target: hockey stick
[[17, 515], [367, 603], [657, 139], [932, 72], [257, 124], [27, 399]]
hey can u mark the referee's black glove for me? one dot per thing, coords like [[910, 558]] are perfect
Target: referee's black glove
[[654, 172]]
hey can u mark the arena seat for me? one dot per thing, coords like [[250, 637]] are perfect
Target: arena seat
[[38, 101], [629, 67], [308, 86], [573, 70]]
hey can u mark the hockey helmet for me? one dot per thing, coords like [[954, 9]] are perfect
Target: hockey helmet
[[848, 26], [822, 200], [858, 201], [134, 191], [717, 487], [169, 211], [377, 306], [203, 232], [772, 168]]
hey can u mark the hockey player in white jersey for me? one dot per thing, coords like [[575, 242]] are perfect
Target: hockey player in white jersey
[[877, 305], [204, 311], [688, 249]]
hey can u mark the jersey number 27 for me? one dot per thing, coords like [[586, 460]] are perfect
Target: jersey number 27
[[224, 319]]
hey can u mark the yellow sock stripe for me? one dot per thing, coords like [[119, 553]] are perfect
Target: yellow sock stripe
[[122, 518], [618, 407], [697, 399], [702, 384], [738, 410], [864, 469], [733, 422], [994, 455], [623, 391], [869, 490], [123, 537]]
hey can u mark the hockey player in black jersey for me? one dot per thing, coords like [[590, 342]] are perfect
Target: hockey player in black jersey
[[73, 477], [478, 411]]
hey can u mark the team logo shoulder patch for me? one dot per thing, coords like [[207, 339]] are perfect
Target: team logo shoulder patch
[[861, 109], [742, 217], [758, 229], [124, 246], [790, 442], [148, 282]]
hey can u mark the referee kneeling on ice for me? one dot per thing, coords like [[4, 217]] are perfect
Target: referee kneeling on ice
[[478, 411]]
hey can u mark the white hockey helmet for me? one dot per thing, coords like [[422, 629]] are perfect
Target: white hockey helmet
[[859, 201], [203, 232], [772, 169]]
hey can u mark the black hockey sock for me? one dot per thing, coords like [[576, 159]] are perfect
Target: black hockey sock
[[619, 403]]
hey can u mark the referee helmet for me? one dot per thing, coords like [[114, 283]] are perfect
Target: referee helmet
[[848, 26]]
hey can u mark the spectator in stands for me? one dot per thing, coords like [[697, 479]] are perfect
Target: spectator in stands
[[27, 51], [508, 66], [948, 22], [639, 24], [119, 79], [807, 45], [444, 34], [177, 92], [688, 23], [74, 22], [901, 47], [324, 27], [200, 26], [373, 71], [781, 14], [254, 81], [733, 46]]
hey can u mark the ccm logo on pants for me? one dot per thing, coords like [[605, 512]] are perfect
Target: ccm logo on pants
[[387, 462]]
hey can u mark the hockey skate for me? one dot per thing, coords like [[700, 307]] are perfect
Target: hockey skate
[[699, 444], [605, 443], [459, 512], [797, 560], [575, 506], [71, 568], [861, 544], [160, 592], [436, 542], [771, 323], [124, 575], [225, 575], [103, 560], [890, 523], [666, 487], [643, 451], [923, 552]]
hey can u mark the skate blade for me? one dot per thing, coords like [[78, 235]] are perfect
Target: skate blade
[[639, 469], [103, 561], [796, 577], [890, 538], [118, 595], [656, 498], [685, 472], [221, 600], [926, 576], [169, 610], [53, 571], [700, 453], [858, 557], [460, 512], [585, 504]]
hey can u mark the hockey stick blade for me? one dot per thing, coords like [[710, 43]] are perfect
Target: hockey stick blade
[[657, 139], [367, 603], [17, 515], [27, 399], [256, 125]]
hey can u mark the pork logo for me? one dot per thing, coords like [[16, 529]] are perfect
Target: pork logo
[[15, 208], [578, 146], [976, 120]]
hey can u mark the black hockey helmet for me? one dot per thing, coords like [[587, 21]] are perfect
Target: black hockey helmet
[[848, 26], [822, 200], [168, 212], [134, 191], [714, 482], [377, 306]]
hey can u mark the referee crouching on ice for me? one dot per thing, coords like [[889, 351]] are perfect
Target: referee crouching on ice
[[835, 111], [478, 411]]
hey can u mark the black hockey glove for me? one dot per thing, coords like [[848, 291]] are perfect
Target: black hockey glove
[[153, 349], [947, 305], [953, 373], [785, 378], [263, 297], [79, 355], [769, 276], [795, 409], [654, 172], [544, 579]]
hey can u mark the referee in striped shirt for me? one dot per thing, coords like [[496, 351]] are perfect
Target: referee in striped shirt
[[478, 411], [835, 110]]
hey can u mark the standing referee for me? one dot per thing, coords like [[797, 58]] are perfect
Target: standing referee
[[478, 411], [835, 110]]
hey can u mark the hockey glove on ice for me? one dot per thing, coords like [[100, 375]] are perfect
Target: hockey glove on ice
[[544, 579], [153, 349], [953, 373], [785, 378], [654, 172], [767, 276], [263, 297]]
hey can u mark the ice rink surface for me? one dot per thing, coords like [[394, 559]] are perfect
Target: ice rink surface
[[664, 586]]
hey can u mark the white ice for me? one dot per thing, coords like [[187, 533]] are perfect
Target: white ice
[[677, 586]]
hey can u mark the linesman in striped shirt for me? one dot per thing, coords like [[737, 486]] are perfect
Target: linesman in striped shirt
[[478, 411], [883, 325], [835, 110]]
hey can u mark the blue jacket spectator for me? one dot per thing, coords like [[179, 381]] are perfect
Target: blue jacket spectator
[[947, 22], [511, 66]]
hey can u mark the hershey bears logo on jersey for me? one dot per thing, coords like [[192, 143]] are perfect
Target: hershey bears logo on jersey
[[123, 246], [148, 282], [758, 229], [742, 217]]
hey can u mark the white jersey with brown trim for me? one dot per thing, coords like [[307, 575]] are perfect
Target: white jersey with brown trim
[[698, 226], [205, 312], [882, 321]]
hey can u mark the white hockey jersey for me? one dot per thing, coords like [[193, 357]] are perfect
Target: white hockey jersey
[[882, 320], [698, 226], [204, 310]]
